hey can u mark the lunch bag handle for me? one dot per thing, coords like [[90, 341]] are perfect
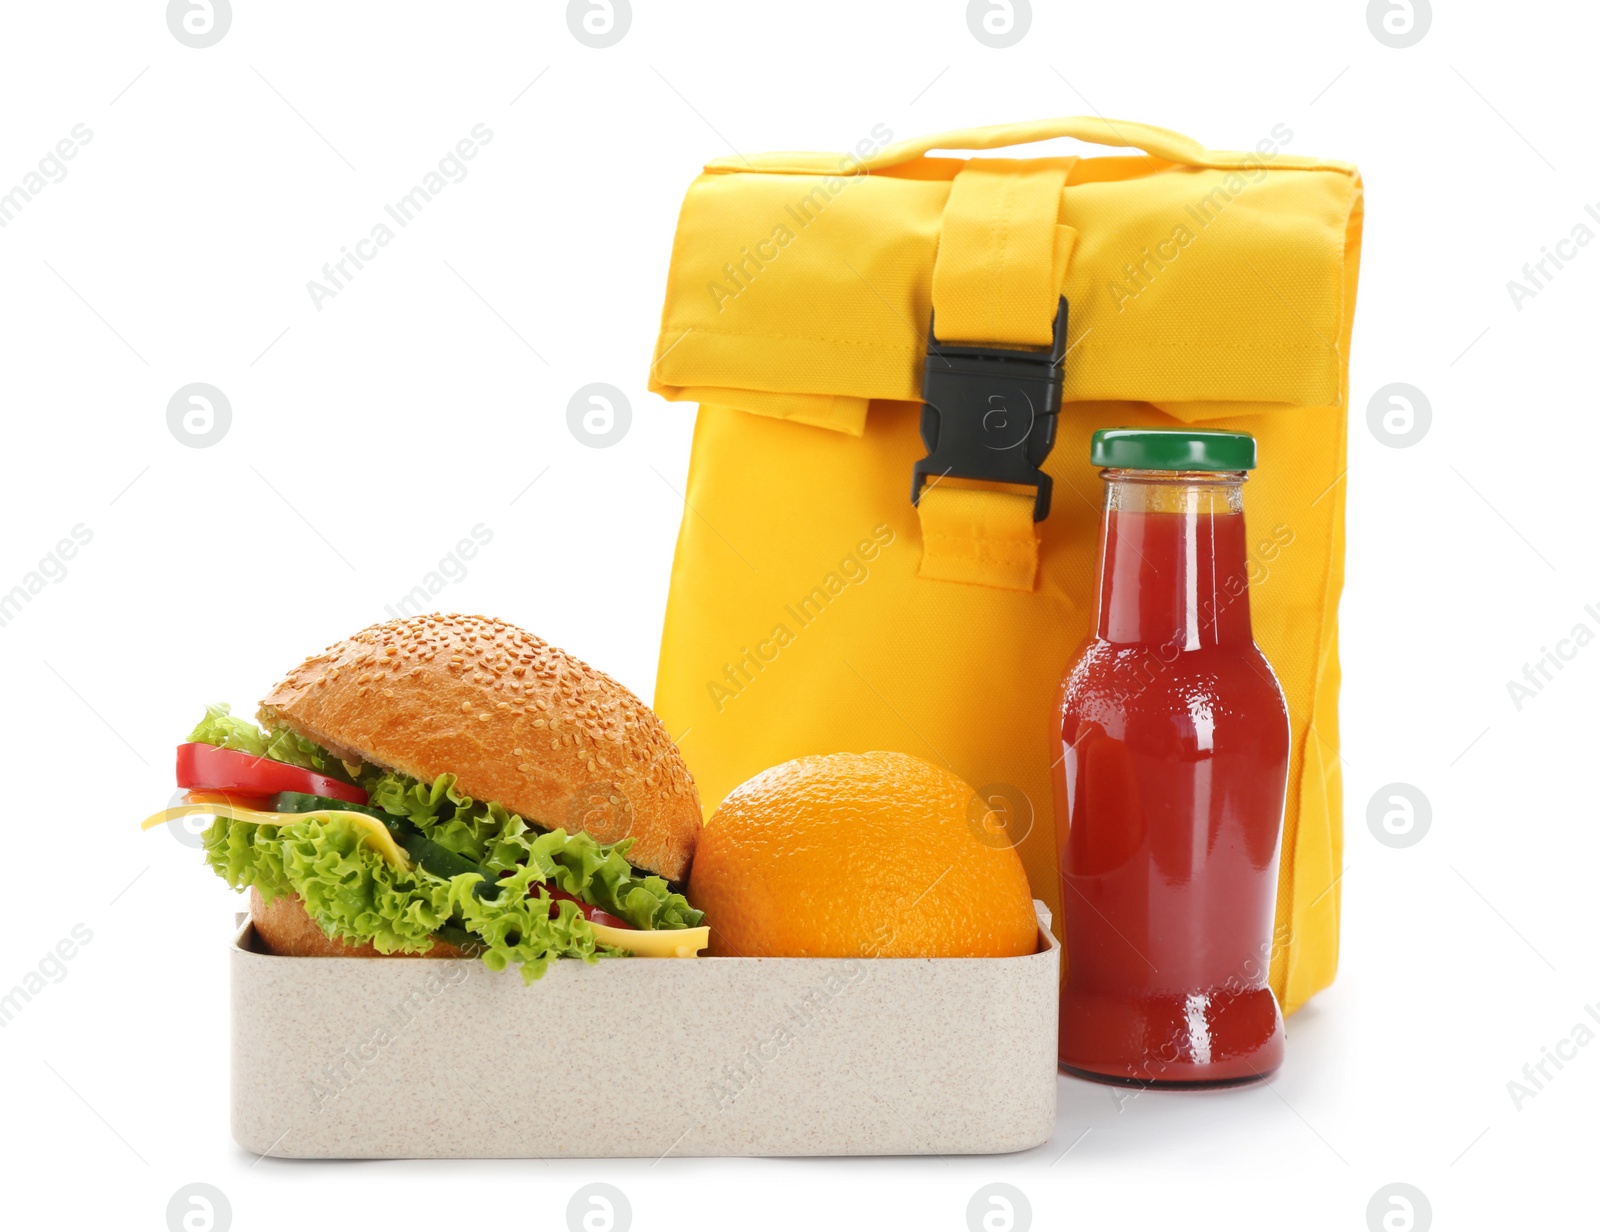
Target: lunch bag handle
[[1162, 143], [1158, 143]]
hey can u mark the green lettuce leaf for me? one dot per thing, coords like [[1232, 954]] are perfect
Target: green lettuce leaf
[[227, 731], [354, 894], [487, 834]]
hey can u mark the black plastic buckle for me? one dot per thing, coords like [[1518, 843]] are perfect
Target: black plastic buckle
[[989, 413]]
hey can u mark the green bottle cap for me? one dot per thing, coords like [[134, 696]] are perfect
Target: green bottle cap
[[1172, 449]]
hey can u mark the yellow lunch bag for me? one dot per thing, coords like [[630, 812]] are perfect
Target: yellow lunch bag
[[815, 608]]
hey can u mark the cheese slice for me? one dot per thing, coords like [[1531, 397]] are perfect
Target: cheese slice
[[373, 832], [654, 943]]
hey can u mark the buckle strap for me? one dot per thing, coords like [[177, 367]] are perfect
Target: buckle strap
[[997, 273], [993, 380]]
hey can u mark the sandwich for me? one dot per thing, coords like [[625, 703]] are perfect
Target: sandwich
[[445, 786]]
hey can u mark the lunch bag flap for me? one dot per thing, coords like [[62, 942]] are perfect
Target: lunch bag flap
[[801, 286]]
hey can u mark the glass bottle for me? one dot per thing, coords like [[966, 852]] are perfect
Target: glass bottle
[[1172, 772]]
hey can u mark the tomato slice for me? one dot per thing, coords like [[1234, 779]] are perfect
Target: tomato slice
[[593, 914], [208, 768]]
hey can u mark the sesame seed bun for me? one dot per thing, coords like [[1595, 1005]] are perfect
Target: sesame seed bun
[[513, 718]]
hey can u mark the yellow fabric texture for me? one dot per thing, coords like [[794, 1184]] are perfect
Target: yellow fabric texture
[[995, 277], [1204, 287]]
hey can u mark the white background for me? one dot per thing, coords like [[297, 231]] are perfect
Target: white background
[[369, 436]]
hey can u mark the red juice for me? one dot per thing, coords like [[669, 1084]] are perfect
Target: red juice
[[1173, 765]]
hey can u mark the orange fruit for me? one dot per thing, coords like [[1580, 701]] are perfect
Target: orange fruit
[[859, 855]]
